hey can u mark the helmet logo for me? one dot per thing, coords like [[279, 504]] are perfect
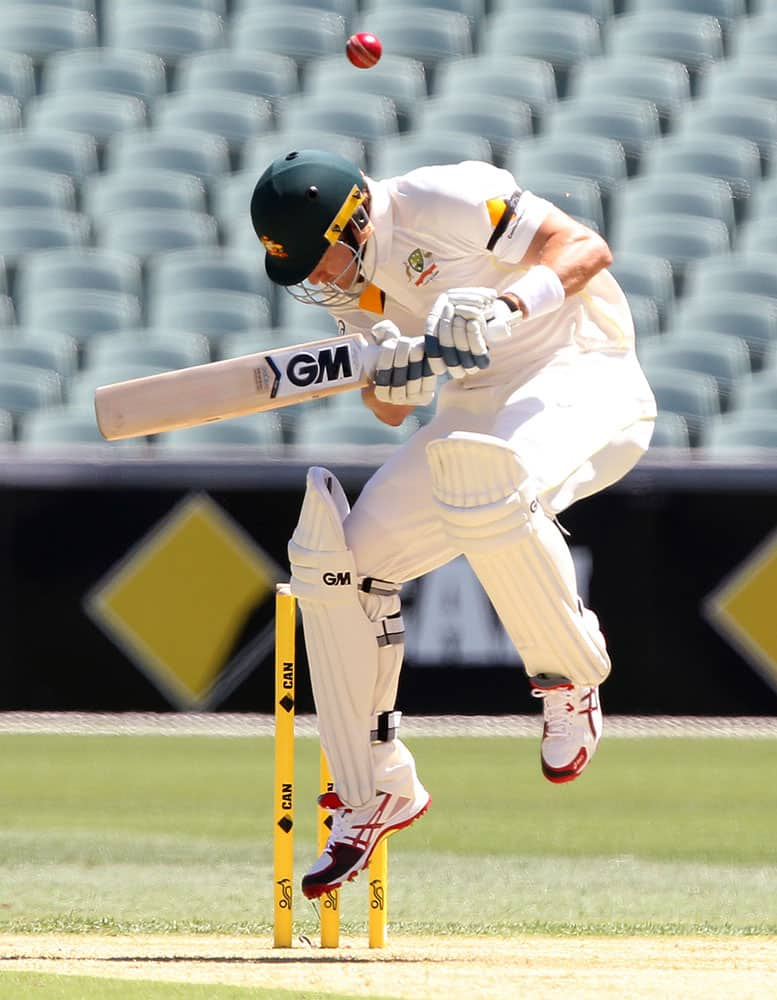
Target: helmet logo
[[273, 249], [346, 210]]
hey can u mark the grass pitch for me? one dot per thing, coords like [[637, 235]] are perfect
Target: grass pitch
[[149, 835]]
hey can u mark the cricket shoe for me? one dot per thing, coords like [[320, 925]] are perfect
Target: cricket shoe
[[573, 727], [355, 835]]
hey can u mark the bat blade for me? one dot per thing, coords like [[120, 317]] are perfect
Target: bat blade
[[267, 380]]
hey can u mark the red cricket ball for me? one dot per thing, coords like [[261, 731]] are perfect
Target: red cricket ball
[[363, 49]]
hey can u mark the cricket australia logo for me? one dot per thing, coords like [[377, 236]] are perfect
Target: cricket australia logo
[[420, 268]]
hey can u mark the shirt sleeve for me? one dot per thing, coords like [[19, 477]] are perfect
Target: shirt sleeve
[[516, 219]]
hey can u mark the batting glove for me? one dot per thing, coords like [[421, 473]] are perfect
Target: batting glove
[[456, 330], [403, 376]]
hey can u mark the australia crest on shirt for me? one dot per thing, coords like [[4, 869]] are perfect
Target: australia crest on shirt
[[420, 268]]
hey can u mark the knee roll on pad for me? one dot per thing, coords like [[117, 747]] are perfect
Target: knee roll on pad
[[491, 513]]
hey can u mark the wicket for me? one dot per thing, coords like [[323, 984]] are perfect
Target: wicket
[[283, 842]]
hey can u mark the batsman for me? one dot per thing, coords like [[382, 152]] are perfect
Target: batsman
[[502, 305]]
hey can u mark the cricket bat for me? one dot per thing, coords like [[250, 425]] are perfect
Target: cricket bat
[[249, 384]]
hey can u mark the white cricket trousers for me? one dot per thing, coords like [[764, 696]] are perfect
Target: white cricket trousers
[[577, 426]]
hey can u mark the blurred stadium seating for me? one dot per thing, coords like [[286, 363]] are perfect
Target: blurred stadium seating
[[131, 135]]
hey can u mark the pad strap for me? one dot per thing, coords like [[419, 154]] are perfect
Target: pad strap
[[385, 726]]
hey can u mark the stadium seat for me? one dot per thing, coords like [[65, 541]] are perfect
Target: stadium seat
[[283, 31], [17, 75], [520, 78], [690, 194], [81, 268], [81, 312], [737, 161], [22, 186], [755, 37], [693, 395], [57, 151], [7, 313], [63, 427], [118, 71], [695, 40], [754, 119], [39, 31], [750, 76], [152, 188], [725, 357], [562, 38], [370, 119], [600, 160], [344, 8], [188, 150], [741, 431], [144, 232], [474, 9], [212, 313], [169, 32], [600, 10], [260, 74], [98, 114], [645, 316], [438, 35], [646, 275], [81, 387], [313, 322], [726, 11], [664, 82], [677, 237], [230, 196], [237, 345], [751, 317], [23, 230], [108, 7], [738, 272], [259, 153], [631, 121], [670, 431], [3, 278], [150, 346], [6, 426], [10, 113], [758, 236], [501, 122], [257, 430], [422, 149], [40, 348], [579, 197], [311, 427], [757, 392], [234, 116], [401, 80], [200, 270], [27, 387]]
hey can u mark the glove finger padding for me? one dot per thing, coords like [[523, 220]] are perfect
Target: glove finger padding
[[402, 376]]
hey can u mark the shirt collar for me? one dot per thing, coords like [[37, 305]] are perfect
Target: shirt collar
[[379, 247]]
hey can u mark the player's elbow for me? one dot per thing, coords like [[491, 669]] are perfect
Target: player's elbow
[[602, 251]]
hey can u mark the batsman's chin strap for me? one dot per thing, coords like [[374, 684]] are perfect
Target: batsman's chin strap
[[385, 726]]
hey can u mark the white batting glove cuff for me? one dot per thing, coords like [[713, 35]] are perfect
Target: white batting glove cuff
[[403, 376], [504, 321]]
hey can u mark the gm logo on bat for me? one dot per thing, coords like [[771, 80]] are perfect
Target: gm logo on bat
[[306, 368]]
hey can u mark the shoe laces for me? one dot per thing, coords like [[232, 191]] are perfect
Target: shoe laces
[[558, 708]]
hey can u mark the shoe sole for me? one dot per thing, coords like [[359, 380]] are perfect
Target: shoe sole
[[562, 775], [316, 891]]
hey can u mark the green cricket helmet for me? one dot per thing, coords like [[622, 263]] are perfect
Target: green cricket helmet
[[300, 206]]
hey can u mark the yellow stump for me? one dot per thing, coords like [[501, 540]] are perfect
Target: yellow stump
[[283, 796], [378, 875], [330, 901]]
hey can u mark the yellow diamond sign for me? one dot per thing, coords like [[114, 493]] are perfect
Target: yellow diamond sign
[[179, 601], [744, 607]]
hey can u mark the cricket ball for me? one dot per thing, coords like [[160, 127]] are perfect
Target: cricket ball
[[363, 49]]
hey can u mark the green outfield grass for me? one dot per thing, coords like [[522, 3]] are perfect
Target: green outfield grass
[[29, 985], [174, 834]]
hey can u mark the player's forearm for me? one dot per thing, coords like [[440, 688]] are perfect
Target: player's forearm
[[576, 257], [387, 413]]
